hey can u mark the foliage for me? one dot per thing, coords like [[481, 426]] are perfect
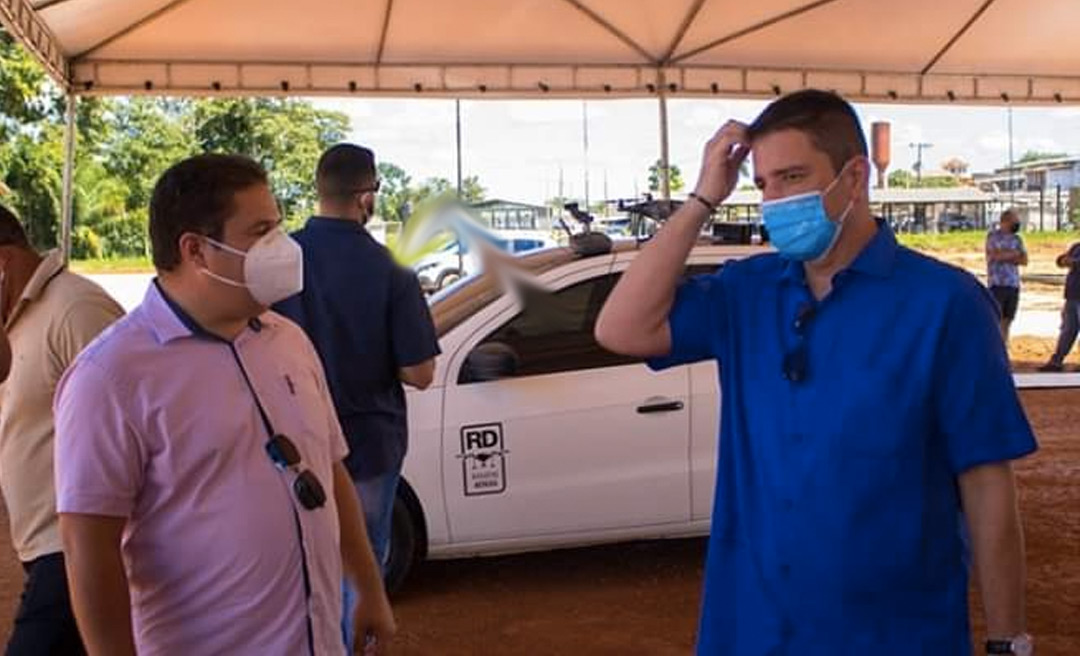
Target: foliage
[[393, 199], [286, 136], [675, 178], [124, 145], [904, 179], [1035, 156]]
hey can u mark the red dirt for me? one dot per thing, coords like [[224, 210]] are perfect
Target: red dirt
[[643, 598]]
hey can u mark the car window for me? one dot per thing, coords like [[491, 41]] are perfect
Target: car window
[[554, 332]]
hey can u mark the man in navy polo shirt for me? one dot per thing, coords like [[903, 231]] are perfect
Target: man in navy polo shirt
[[869, 416], [371, 326]]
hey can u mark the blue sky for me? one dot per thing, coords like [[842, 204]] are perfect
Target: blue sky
[[518, 147]]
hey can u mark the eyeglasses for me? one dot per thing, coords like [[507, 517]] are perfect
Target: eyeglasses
[[374, 188], [306, 486], [796, 361]]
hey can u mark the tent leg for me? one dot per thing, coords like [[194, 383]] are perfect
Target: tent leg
[[67, 211], [457, 126], [665, 159]]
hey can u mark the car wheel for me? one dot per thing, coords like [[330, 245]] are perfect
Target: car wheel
[[447, 278], [408, 538]]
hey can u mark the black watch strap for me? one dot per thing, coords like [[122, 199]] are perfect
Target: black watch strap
[[999, 647]]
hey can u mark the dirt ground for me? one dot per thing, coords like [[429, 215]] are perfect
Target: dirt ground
[[642, 598]]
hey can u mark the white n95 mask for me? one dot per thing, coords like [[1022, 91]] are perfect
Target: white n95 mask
[[273, 267]]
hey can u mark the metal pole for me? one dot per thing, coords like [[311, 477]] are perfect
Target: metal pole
[[1042, 208], [1059, 208], [665, 159], [585, 141], [1012, 191], [67, 210], [457, 112]]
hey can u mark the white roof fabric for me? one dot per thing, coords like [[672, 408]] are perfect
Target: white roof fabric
[[973, 51]]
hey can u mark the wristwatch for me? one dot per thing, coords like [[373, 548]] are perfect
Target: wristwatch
[[1021, 645]]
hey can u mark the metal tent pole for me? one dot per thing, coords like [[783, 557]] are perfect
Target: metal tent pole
[[665, 159], [67, 210]]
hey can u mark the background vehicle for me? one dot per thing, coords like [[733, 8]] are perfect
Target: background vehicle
[[454, 260]]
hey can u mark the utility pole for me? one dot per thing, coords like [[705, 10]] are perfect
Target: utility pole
[[585, 138], [1012, 162], [457, 112], [919, 147]]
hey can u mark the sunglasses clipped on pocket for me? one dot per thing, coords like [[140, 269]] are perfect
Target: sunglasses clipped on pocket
[[306, 486]]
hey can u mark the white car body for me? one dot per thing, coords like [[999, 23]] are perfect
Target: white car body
[[563, 457]]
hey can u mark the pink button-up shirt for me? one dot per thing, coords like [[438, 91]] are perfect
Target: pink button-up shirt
[[156, 424]]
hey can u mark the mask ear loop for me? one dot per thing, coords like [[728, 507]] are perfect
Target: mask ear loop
[[216, 276], [841, 220]]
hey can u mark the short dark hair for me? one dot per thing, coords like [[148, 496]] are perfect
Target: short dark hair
[[829, 121], [196, 195], [343, 169], [12, 232]]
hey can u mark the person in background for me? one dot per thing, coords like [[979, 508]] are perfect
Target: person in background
[[49, 315], [1070, 314], [370, 324], [203, 502], [1005, 254]]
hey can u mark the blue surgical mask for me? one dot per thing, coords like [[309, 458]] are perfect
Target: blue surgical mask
[[800, 228]]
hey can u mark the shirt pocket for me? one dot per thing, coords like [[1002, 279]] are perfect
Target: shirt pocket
[[305, 416]]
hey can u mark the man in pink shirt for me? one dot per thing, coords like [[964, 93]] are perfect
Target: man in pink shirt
[[204, 506]]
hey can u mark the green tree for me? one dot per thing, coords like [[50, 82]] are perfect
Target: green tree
[[675, 178], [146, 137], [901, 179], [472, 191], [395, 192], [123, 146], [286, 136], [1035, 155]]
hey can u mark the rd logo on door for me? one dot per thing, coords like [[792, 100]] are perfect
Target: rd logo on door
[[483, 459]]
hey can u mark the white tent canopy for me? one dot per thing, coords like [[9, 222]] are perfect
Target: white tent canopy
[[995, 51]]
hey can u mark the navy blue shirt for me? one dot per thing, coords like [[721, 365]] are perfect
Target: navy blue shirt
[[367, 318], [837, 523], [1072, 280]]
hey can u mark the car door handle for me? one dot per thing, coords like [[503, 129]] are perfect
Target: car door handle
[[660, 406]]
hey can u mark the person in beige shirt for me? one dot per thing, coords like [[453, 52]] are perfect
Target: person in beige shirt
[[49, 315]]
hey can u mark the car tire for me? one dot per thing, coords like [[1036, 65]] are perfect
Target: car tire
[[408, 538], [447, 278]]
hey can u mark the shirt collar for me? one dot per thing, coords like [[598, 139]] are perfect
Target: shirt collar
[[340, 225], [876, 258], [171, 322], [51, 265]]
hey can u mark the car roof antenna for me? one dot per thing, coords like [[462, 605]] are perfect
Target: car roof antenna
[[586, 242]]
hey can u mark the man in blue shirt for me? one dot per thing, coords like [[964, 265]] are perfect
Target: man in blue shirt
[[371, 326], [868, 414]]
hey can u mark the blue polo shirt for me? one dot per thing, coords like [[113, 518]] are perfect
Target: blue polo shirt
[[837, 524], [367, 318]]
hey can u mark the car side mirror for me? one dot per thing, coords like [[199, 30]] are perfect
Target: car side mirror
[[489, 362]]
